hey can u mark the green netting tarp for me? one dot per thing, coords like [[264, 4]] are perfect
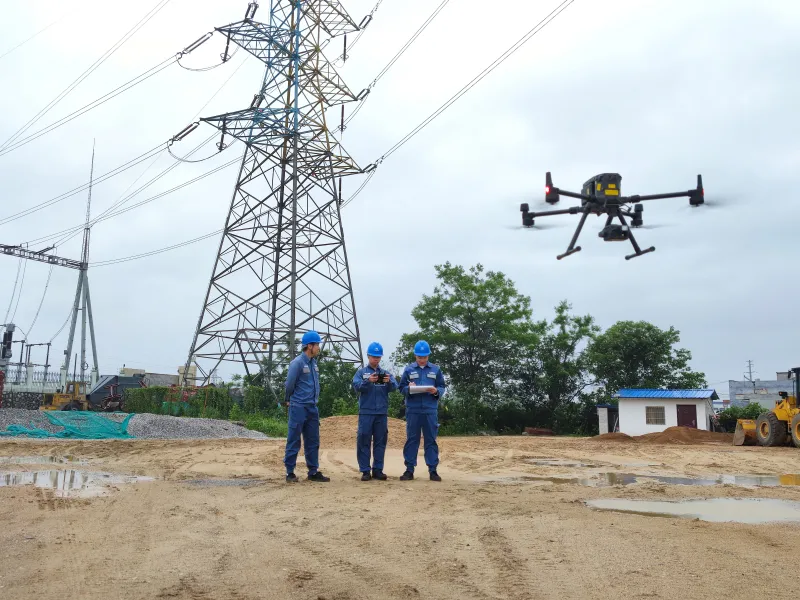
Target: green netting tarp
[[77, 424]]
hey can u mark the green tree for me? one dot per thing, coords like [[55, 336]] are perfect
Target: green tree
[[550, 375], [335, 382], [475, 321], [637, 354]]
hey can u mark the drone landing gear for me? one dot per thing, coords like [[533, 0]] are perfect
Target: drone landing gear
[[638, 250], [572, 249]]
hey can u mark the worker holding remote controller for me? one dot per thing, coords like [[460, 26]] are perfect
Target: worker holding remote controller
[[373, 384], [422, 384]]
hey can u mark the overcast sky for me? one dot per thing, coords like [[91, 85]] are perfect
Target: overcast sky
[[656, 91]]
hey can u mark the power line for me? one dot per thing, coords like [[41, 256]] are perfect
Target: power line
[[477, 79], [115, 261], [497, 62], [42, 30], [105, 56], [116, 171], [19, 294], [76, 229], [362, 28], [41, 302], [20, 142], [394, 59], [144, 76], [13, 292]]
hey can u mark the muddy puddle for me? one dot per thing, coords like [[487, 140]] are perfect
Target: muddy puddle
[[612, 479], [68, 482], [718, 510], [42, 460]]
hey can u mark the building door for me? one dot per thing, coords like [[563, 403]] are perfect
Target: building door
[[687, 415]]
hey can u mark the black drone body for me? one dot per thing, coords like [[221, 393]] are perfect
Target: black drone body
[[602, 194]]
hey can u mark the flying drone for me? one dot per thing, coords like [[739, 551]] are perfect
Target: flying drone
[[602, 195]]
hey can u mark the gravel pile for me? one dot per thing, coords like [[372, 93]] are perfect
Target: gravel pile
[[26, 418], [147, 426], [143, 426]]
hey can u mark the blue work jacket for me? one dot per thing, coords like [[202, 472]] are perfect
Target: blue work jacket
[[373, 398], [302, 380], [429, 375]]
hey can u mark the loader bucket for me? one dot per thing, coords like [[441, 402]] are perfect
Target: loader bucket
[[745, 434]]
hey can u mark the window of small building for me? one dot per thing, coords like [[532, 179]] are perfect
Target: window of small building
[[655, 415]]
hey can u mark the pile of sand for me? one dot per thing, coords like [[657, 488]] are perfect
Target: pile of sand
[[340, 432], [686, 436], [671, 435], [612, 437]]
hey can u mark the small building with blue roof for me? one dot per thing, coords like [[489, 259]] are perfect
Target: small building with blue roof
[[644, 411]]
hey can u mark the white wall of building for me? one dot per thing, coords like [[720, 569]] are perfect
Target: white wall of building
[[632, 419]]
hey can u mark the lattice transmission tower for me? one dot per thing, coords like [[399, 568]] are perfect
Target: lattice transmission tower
[[281, 268]]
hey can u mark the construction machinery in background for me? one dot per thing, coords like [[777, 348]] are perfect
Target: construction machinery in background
[[774, 427], [72, 398], [108, 395]]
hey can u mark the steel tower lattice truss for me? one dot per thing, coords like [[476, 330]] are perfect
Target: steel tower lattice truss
[[281, 267]]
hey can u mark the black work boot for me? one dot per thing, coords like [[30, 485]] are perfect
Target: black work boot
[[365, 476], [380, 475], [291, 478], [435, 476], [318, 476], [407, 476]]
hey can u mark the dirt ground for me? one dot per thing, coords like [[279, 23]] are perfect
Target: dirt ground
[[484, 532]]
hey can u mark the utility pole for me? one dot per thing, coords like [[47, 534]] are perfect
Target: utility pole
[[281, 267], [749, 375], [82, 303]]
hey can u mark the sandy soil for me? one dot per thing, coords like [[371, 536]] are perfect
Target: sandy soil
[[484, 532]]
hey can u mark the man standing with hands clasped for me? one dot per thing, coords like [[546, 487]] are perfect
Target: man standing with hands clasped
[[422, 385], [373, 384], [302, 394]]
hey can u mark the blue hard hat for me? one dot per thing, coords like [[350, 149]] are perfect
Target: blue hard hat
[[375, 349], [311, 337], [421, 348]]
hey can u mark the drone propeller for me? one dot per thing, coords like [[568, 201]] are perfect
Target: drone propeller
[[537, 225], [715, 202]]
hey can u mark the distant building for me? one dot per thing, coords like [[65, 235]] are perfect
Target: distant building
[[760, 391], [652, 411], [151, 379]]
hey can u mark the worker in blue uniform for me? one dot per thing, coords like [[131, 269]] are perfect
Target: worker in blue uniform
[[373, 384], [302, 394], [422, 409]]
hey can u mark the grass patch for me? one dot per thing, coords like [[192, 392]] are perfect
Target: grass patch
[[267, 425]]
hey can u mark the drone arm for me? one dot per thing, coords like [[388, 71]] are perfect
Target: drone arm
[[565, 211], [573, 195], [658, 196]]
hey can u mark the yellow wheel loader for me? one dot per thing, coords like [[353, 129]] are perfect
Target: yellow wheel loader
[[774, 427]]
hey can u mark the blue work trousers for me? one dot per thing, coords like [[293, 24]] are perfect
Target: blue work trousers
[[303, 419], [428, 425], [373, 430]]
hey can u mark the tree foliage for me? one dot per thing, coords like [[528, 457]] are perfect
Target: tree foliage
[[637, 354], [507, 371], [473, 320]]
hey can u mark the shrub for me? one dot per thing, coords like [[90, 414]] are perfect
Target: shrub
[[728, 417]]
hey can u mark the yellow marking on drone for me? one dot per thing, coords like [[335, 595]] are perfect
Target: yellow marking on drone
[[612, 185], [612, 192]]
